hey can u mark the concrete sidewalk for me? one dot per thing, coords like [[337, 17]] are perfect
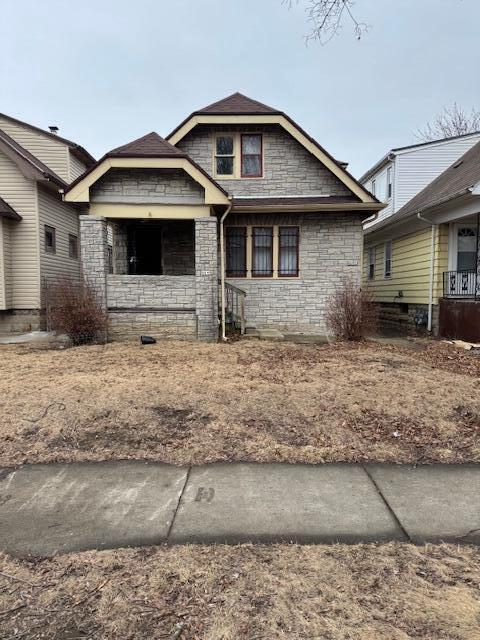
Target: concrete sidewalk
[[58, 508]]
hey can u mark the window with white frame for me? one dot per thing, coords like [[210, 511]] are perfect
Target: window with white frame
[[374, 187], [387, 272], [389, 183], [371, 263], [262, 251]]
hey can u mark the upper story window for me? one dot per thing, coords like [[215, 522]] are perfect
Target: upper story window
[[50, 239], [224, 156], [251, 155], [388, 259], [374, 187], [389, 183], [238, 155]]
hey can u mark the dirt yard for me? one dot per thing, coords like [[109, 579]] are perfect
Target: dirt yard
[[247, 400], [389, 592]]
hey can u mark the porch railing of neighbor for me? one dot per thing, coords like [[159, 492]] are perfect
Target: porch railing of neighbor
[[461, 284], [235, 306]]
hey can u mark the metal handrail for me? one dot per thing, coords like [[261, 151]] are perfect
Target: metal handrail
[[235, 306], [461, 283]]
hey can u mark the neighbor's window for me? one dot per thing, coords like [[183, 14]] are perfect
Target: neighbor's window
[[371, 263], [50, 239], [374, 187], [236, 252], [224, 155], [251, 155], [72, 246], [287, 251], [389, 183], [388, 259]]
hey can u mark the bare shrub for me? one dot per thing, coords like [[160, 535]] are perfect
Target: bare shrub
[[351, 313], [73, 308]]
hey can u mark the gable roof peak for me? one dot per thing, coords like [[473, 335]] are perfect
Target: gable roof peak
[[237, 103], [149, 145]]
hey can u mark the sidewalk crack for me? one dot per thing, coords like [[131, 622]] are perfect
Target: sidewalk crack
[[386, 503], [187, 477]]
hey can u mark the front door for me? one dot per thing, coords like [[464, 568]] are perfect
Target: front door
[[145, 250]]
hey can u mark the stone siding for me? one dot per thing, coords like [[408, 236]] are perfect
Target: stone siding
[[330, 249], [289, 169], [125, 325], [166, 186], [206, 275], [94, 254], [151, 292]]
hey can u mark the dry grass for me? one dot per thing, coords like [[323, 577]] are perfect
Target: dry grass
[[389, 592], [247, 400]]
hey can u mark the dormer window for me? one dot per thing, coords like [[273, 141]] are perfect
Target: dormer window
[[224, 156]]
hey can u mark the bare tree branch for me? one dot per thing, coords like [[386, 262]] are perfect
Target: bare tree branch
[[451, 121], [327, 16]]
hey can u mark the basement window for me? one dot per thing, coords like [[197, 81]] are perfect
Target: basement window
[[50, 239]]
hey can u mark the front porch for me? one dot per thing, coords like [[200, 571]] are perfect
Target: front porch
[[156, 277]]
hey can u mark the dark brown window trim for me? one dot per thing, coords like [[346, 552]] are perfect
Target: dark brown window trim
[[235, 274], [254, 273], [73, 255], [297, 264], [242, 155]]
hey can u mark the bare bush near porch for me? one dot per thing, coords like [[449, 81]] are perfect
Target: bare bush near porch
[[73, 308], [350, 313]]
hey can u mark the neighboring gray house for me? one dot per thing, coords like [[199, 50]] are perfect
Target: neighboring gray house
[[39, 233], [239, 203]]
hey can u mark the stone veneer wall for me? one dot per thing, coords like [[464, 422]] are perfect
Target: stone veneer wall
[[147, 185], [330, 249], [151, 292], [289, 169], [206, 275]]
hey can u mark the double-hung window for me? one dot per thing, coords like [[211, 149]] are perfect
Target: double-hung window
[[389, 183], [262, 251], [388, 259], [236, 249], [50, 239], [262, 246], [72, 246], [224, 155], [251, 155], [371, 263]]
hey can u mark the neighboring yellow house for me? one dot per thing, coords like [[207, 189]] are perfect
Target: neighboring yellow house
[[422, 262]]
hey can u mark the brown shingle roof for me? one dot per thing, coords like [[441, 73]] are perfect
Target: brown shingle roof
[[31, 159], [455, 181], [150, 145], [237, 103], [6, 211]]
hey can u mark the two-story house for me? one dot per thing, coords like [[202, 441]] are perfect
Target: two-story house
[[39, 233], [238, 203], [421, 252]]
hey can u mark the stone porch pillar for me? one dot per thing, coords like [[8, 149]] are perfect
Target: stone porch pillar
[[206, 278], [94, 254]]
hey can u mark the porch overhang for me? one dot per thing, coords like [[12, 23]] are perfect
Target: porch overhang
[[315, 204], [79, 191], [293, 129], [149, 211]]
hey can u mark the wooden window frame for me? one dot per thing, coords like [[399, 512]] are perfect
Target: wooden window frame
[[387, 274], [72, 236], [233, 155], [53, 248], [245, 251], [270, 226], [251, 175], [297, 257]]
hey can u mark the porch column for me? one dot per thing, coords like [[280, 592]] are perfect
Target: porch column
[[206, 278], [94, 254]]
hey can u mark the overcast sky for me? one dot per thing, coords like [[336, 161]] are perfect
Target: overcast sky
[[108, 71]]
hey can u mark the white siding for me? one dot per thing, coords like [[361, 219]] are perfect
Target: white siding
[[21, 194], [5, 265], [51, 152], [2, 268], [64, 219], [418, 167], [76, 167]]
